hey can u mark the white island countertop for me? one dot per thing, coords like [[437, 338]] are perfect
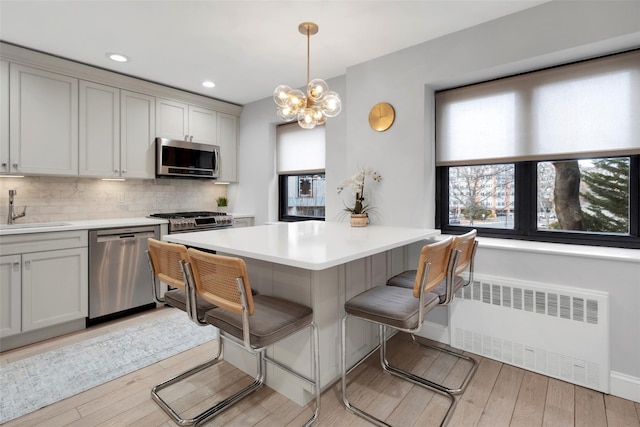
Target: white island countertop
[[312, 245]]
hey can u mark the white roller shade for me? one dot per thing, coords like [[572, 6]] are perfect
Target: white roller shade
[[300, 150], [587, 109]]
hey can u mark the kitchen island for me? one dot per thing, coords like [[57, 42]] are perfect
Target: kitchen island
[[319, 264]]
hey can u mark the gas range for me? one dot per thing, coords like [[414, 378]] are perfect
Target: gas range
[[184, 222]]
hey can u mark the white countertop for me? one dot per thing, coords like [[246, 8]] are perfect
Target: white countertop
[[312, 245], [42, 227]]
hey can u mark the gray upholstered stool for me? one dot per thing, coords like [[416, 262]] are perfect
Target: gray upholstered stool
[[253, 322], [401, 309], [466, 246]]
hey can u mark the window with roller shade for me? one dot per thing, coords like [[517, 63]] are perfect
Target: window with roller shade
[[300, 165], [550, 155]]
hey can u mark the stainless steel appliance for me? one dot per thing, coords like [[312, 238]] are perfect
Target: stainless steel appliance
[[184, 222], [185, 159], [119, 275]]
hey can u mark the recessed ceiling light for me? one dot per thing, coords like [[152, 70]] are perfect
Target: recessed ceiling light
[[208, 84], [117, 57]]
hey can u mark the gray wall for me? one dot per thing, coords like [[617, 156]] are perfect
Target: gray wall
[[550, 34]]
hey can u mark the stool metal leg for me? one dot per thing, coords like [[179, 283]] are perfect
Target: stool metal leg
[[315, 350], [392, 370], [471, 360], [164, 405], [316, 374], [220, 406], [239, 395], [345, 399], [415, 378]]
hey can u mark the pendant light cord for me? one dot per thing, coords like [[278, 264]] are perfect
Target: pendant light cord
[[308, 52]]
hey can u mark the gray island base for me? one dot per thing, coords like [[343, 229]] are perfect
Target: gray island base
[[319, 264]]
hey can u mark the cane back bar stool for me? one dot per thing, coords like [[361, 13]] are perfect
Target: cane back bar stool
[[254, 322], [466, 245], [404, 310], [167, 262]]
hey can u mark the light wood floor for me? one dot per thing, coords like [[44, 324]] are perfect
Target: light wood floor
[[499, 394]]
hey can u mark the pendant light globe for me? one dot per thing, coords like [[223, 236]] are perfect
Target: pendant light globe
[[317, 104]]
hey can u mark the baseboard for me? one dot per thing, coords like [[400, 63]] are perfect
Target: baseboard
[[435, 332], [625, 386]]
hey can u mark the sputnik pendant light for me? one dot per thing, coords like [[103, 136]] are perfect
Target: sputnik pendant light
[[317, 104]]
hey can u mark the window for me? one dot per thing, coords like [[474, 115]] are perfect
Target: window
[[305, 197], [552, 155], [482, 194], [300, 162], [591, 195]]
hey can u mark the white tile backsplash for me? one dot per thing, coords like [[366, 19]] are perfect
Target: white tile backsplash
[[69, 199]]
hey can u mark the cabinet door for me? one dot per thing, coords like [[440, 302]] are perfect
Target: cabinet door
[[203, 125], [4, 117], [10, 284], [227, 140], [137, 135], [54, 287], [172, 119], [242, 222], [43, 131], [99, 130]]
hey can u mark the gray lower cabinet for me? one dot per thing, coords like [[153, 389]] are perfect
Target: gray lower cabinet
[[10, 294], [43, 281], [243, 222]]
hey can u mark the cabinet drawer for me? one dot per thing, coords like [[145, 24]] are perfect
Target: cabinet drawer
[[36, 242]]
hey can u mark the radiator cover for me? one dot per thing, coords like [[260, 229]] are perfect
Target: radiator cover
[[558, 331]]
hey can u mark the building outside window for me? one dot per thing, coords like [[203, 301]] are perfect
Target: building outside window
[[300, 163], [552, 155], [305, 196]]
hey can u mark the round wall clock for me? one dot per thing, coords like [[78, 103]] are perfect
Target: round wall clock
[[381, 116]]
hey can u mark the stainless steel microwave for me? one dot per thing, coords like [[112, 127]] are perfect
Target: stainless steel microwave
[[186, 159]]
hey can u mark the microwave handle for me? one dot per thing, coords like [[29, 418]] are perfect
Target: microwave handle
[[217, 160]]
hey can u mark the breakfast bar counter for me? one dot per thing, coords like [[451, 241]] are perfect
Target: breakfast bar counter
[[319, 264]]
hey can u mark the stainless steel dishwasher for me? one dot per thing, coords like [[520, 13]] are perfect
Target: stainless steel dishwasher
[[119, 275]]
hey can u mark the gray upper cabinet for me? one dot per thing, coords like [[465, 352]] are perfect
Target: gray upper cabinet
[[116, 132], [177, 120], [203, 125], [137, 135], [58, 117], [4, 117], [43, 130], [227, 140], [99, 130], [172, 119]]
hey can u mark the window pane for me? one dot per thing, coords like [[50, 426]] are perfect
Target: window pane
[[589, 195], [482, 195], [306, 195]]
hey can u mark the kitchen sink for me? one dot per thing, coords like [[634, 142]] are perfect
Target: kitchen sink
[[32, 225]]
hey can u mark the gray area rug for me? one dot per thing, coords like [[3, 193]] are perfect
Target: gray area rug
[[35, 382]]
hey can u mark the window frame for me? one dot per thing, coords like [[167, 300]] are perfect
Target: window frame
[[525, 204], [283, 191]]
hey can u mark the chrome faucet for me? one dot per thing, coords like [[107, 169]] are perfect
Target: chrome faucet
[[12, 215]]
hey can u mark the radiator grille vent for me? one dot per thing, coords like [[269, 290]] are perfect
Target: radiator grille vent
[[558, 331], [545, 303]]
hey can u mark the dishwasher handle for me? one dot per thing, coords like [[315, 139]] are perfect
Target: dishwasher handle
[[125, 236]]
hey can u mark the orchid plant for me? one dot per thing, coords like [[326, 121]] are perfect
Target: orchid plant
[[357, 182]]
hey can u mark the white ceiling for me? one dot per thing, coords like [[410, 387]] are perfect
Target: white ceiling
[[246, 47]]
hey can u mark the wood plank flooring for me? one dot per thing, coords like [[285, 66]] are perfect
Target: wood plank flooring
[[498, 395]]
